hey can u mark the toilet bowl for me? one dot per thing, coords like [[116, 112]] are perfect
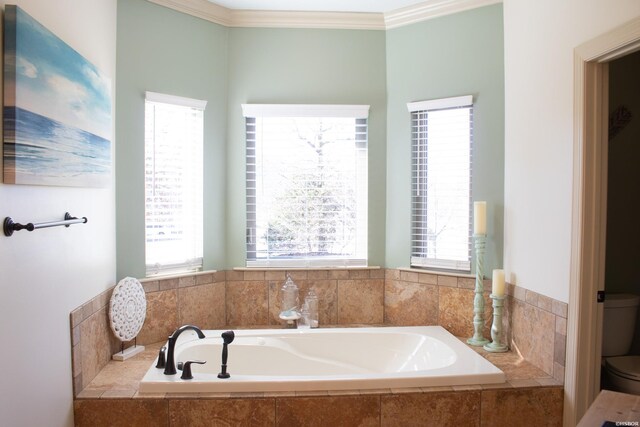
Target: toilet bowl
[[622, 370]]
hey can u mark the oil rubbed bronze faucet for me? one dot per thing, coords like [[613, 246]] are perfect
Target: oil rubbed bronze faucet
[[170, 366]]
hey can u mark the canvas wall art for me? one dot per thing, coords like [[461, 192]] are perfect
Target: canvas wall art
[[57, 110]]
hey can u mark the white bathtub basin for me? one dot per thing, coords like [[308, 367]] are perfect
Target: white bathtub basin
[[325, 359]]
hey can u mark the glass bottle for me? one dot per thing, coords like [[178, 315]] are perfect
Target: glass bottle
[[311, 301], [290, 299]]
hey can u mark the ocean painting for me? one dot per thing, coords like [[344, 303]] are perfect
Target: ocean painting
[[57, 110]]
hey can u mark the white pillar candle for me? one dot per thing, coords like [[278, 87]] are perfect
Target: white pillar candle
[[497, 285], [479, 217]]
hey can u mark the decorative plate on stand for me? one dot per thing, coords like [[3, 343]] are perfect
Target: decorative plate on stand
[[127, 312]]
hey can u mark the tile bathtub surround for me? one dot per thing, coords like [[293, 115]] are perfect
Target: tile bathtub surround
[[171, 301], [528, 397], [533, 324]]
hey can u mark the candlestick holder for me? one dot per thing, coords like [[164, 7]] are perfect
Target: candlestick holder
[[496, 345], [478, 300]]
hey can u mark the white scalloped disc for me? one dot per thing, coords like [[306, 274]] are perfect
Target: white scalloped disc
[[128, 309]]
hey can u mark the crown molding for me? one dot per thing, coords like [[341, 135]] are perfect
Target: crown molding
[[203, 9], [290, 19], [429, 9]]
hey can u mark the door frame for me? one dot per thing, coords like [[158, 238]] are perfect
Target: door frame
[[589, 208]]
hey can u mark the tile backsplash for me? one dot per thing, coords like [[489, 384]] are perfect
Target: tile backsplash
[[534, 325]]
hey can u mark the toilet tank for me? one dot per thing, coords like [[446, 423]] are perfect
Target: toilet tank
[[619, 323]]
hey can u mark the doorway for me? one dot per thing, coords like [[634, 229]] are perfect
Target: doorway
[[589, 213]]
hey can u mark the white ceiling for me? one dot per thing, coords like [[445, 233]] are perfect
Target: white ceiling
[[375, 6]]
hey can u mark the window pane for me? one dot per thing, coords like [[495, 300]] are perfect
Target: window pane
[[306, 188], [441, 188], [173, 187]]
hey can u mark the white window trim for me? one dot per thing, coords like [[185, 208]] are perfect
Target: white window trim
[[431, 105], [188, 265], [439, 104], [305, 110], [175, 100]]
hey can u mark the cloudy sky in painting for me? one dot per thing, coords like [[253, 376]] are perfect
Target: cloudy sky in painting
[[55, 81]]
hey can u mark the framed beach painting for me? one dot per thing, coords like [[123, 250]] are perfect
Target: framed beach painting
[[57, 110]]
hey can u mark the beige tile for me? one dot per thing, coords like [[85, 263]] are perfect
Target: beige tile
[[410, 303], [533, 332], [277, 275], [200, 412], [234, 275], [456, 311], [376, 273], [559, 349], [186, 281], [437, 409], [136, 412], [90, 394], [203, 306], [429, 279], [162, 317], [76, 317], [205, 279], [97, 344], [561, 325], [253, 275], [519, 293], [118, 394], [409, 276], [392, 274], [359, 274], [344, 392], [361, 301], [247, 303], [318, 274], [528, 406], [524, 383], [558, 372], [76, 359], [344, 411], [339, 274], [151, 286], [450, 281], [168, 284], [469, 283], [559, 308], [298, 274], [531, 297], [545, 303]]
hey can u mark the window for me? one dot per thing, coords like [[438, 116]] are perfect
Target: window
[[306, 185], [441, 134], [173, 183]]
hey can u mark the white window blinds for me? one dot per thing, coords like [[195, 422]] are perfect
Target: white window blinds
[[306, 185], [173, 183], [441, 134]]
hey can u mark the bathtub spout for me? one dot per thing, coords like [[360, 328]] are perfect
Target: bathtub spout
[[170, 366]]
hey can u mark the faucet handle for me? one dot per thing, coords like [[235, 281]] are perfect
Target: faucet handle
[[161, 358], [186, 368]]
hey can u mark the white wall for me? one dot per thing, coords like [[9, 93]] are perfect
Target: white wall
[[539, 40], [45, 274]]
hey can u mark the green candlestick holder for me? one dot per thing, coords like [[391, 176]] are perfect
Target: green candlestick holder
[[478, 301], [496, 345]]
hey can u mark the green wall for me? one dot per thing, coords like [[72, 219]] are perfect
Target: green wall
[[161, 50], [299, 66], [166, 51], [460, 54]]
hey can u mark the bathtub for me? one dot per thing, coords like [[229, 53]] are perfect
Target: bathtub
[[325, 359]]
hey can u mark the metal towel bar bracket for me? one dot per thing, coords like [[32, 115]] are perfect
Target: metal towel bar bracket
[[9, 226]]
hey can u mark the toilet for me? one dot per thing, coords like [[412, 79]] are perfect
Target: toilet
[[622, 370]]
